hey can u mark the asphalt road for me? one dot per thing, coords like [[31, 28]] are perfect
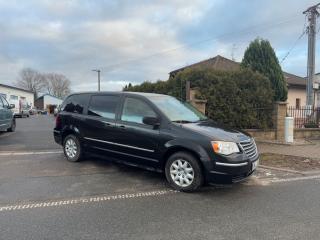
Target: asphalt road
[[34, 133], [42, 196]]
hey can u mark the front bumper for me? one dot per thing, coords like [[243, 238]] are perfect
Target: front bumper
[[231, 172]]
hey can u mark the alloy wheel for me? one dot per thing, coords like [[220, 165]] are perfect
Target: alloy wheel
[[71, 148], [182, 173]]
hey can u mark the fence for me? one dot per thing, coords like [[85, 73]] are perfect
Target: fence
[[305, 117]]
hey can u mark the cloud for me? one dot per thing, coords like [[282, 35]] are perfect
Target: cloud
[[141, 40]]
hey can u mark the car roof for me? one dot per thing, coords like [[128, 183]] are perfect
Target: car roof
[[121, 93]]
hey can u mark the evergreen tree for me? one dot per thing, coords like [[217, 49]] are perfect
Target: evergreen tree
[[260, 56]]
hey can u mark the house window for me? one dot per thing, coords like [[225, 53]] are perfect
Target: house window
[[298, 102], [13, 97]]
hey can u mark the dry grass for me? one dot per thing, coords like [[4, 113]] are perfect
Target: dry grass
[[289, 162]]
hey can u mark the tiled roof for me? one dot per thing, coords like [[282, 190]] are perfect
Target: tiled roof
[[221, 63], [218, 62], [294, 80]]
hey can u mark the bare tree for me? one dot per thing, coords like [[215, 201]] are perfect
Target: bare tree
[[57, 84], [31, 80]]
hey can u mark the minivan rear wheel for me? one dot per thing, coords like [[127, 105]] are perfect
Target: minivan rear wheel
[[72, 148], [183, 172]]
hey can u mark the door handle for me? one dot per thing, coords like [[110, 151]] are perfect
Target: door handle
[[107, 123]]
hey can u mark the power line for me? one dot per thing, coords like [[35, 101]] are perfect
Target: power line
[[250, 29], [293, 46], [304, 31]]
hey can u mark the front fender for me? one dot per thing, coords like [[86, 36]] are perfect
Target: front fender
[[191, 146]]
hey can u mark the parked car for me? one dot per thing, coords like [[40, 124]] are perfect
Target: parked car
[[33, 111], [156, 132], [7, 120]]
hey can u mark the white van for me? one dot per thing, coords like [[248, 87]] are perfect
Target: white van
[[21, 108]]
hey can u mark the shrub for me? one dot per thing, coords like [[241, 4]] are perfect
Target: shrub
[[242, 98]]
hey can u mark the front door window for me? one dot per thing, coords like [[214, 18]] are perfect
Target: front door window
[[134, 110]]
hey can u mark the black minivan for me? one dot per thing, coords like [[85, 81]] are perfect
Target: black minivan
[[155, 132]]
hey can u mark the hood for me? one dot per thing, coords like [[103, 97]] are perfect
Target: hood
[[216, 131]]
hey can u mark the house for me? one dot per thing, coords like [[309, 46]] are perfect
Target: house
[[15, 94], [47, 102], [296, 84], [218, 63]]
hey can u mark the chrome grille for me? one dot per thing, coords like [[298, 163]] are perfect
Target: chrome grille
[[250, 148]]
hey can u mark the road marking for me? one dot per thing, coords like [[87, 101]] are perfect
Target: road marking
[[29, 153], [93, 199]]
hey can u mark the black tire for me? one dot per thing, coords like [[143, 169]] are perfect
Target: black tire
[[187, 158], [67, 148], [13, 126]]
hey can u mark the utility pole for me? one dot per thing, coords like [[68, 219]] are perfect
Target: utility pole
[[312, 14], [98, 71]]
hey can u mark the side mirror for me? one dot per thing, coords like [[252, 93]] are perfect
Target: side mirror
[[11, 106], [153, 121]]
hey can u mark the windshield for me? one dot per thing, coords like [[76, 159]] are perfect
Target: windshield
[[177, 111]]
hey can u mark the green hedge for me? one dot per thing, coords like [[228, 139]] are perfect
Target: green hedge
[[242, 98]]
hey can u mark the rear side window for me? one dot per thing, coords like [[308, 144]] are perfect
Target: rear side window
[[75, 103], [103, 106]]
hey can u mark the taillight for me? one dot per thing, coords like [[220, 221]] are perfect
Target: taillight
[[58, 121]]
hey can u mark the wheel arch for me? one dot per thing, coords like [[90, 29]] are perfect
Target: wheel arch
[[69, 131], [179, 148]]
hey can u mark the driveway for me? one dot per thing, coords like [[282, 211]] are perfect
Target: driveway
[[42, 196]]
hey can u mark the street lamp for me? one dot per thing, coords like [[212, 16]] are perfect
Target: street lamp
[[98, 71]]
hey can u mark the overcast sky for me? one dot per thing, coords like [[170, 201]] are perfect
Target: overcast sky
[[135, 41]]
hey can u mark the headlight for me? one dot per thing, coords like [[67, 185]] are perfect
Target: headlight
[[225, 148]]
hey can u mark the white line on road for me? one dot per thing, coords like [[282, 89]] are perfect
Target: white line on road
[[29, 153], [92, 199]]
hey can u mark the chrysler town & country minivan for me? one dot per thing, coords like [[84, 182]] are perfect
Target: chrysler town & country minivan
[[155, 132]]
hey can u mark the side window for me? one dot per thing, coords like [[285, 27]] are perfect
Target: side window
[[1, 103], [134, 110], [103, 106], [75, 103]]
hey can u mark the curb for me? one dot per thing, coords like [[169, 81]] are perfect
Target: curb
[[315, 172], [283, 170]]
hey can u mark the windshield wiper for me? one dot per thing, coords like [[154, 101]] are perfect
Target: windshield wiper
[[182, 121]]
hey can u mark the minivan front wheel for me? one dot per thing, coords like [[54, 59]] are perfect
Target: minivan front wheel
[[183, 172], [72, 148]]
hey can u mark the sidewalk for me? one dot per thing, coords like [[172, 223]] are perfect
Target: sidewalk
[[307, 151]]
